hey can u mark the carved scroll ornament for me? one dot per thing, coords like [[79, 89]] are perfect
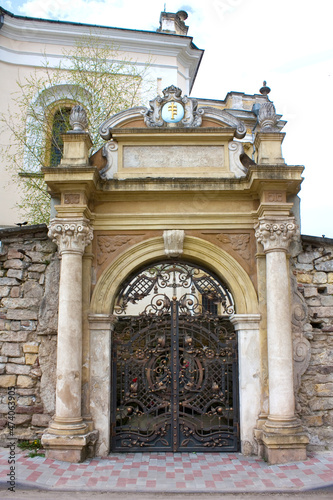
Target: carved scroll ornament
[[70, 236]]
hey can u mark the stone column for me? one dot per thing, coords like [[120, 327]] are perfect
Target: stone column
[[282, 434], [67, 435]]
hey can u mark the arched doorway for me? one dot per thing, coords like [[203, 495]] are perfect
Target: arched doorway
[[174, 362]]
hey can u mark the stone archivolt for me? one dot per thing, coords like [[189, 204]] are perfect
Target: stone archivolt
[[275, 234], [70, 236]]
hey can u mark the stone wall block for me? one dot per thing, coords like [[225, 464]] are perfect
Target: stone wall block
[[303, 277], [3, 359], [14, 264], [320, 277], [15, 273], [314, 420], [321, 404], [24, 314], [9, 281], [26, 303], [29, 409], [326, 266], [25, 382], [324, 389], [15, 292], [14, 336], [22, 419], [308, 257], [12, 368], [31, 347], [304, 267], [14, 254], [25, 401], [29, 325], [11, 349], [327, 300], [4, 291], [322, 312], [15, 326], [30, 359], [19, 361], [7, 380], [38, 268], [39, 420], [330, 278]]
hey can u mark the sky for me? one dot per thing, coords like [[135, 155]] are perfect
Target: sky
[[288, 43]]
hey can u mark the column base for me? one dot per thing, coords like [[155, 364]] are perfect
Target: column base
[[281, 441], [68, 426], [70, 448]]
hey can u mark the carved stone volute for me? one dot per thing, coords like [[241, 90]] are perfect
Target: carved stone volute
[[275, 234], [71, 236]]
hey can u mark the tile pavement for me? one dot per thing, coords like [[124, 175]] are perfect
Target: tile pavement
[[167, 472]]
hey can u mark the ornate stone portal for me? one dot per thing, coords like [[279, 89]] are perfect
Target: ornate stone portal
[[170, 175]]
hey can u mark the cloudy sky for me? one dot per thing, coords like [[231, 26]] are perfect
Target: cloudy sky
[[289, 43]]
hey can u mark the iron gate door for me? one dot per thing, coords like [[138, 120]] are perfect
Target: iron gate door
[[174, 369]]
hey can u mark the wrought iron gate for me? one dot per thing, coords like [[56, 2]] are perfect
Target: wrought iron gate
[[174, 370]]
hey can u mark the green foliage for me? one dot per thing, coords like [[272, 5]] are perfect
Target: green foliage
[[35, 447], [92, 74]]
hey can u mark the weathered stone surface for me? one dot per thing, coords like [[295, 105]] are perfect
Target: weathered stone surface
[[31, 347], [26, 303], [14, 254], [14, 264], [24, 381], [29, 409], [308, 257], [18, 369], [22, 419], [304, 278], [33, 276], [19, 361], [325, 266], [7, 380], [32, 289], [15, 292], [24, 401], [38, 268], [3, 359], [21, 314], [39, 420], [321, 404], [330, 278], [13, 336], [48, 364], [11, 349], [9, 281], [313, 420], [30, 359], [320, 277], [15, 273], [324, 389], [327, 300], [48, 312], [28, 325], [4, 291], [15, 326]]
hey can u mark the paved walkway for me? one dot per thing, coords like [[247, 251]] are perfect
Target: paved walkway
[[167, 472]]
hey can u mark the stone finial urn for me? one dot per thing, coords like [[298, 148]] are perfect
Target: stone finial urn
[[268, 118], [78, 119]]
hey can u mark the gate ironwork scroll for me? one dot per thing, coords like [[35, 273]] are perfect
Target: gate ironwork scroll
[[174, 362]]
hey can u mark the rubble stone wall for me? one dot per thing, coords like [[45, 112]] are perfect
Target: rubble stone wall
[[29, 277], [314, 274], [29, 281]]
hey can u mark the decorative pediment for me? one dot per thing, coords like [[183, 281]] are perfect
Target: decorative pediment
[[172, 111]]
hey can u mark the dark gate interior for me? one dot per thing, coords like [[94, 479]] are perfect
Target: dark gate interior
[[174, 370]]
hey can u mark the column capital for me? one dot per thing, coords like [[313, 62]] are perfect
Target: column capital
[[71, 235], [275, 233]]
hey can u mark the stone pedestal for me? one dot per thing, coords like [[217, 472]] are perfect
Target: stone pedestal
[[282, 436], [269, 148], [67, 437]]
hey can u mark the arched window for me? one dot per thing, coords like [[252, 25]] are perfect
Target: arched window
[[60, 125]]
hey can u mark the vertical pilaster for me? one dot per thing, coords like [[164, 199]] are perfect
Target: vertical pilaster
[[282, 436]]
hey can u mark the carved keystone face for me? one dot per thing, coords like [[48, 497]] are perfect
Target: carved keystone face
[[172, 112]]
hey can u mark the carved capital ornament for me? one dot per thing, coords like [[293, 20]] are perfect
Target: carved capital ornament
[[70, 236], [275, 234]]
